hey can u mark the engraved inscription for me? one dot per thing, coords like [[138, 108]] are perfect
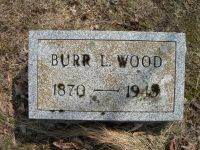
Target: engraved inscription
[[97, 75]]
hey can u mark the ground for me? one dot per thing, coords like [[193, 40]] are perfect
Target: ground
[[17, 17]]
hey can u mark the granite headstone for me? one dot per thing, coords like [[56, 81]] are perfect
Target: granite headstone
[[106, 75]]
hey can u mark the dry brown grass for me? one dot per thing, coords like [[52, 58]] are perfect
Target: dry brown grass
[[123, 140], [17, 17]]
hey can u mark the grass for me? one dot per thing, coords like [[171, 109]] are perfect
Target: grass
[[19, 16]]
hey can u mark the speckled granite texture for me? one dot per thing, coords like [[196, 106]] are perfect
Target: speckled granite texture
[[149, 88]]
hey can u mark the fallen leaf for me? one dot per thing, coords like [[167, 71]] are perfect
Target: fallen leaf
[[73, 10], [66, 146], [172, 145], [190, 146], [18, 90], [195, 105]]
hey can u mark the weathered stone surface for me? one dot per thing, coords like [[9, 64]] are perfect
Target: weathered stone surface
[[124, 76]]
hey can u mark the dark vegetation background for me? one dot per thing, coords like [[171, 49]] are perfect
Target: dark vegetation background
[[17, 17]]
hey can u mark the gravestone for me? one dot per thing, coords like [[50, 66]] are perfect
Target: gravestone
[[106, 75]]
